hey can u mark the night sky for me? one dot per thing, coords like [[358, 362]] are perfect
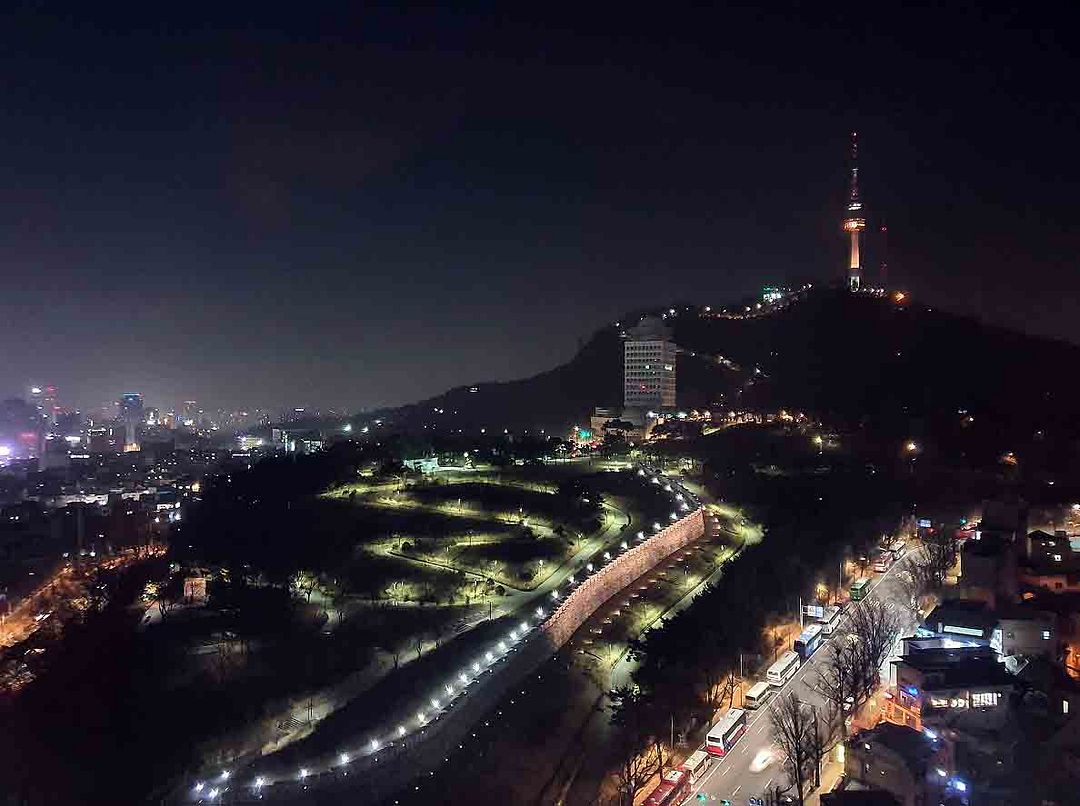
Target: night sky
[[288, 206]]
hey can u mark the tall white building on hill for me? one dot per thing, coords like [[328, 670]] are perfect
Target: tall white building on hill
[[649, 366]]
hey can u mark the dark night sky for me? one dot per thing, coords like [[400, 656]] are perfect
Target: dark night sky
[[365, 207]]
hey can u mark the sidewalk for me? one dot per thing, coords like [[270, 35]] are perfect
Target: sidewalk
[[831, 771]]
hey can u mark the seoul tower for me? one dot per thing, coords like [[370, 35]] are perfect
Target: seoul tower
[[854, 223]]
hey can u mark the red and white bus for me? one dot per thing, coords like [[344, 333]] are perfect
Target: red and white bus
[[723, 735], [673, 789]]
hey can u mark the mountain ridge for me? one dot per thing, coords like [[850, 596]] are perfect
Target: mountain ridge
[[851, 358]]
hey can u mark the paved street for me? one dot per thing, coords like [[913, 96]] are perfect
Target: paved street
[[737, 777]]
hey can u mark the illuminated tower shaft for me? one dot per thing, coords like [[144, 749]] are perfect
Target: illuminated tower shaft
[[854, 223]]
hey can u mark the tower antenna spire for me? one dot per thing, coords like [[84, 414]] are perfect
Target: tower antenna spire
[[884, 257], [854, 167], [854, 223]]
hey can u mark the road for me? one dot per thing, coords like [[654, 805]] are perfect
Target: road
[[736, 777]]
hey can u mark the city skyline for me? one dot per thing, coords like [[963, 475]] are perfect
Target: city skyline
[[236, 213], [631, 405]]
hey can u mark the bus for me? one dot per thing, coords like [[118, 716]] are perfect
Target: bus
[[673, 789], [723, 735], [697, 764], [784, 669], [830, 620], [859, 589], [757, 695], [898, 550], [808, 641]]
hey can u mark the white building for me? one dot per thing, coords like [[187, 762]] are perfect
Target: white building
[[649, 366]]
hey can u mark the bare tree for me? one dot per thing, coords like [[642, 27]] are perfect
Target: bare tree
[[715, 686], [795, 731], [633, 743], [305, 582], [911, 587], [934, 560], [874, 626], [838, 681]]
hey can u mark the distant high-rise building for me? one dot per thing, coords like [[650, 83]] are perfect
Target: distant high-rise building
[[131, 412], [51, 407], [649, 366], [189, 413]]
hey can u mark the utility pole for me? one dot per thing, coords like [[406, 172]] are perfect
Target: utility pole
[[672, 733], [800, 614]]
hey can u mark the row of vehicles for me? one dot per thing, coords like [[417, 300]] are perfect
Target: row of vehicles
[[676, 785], [884, 557]]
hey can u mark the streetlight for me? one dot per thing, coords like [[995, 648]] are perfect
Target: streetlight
[[911, 448]]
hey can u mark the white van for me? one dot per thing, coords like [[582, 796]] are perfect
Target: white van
[[757, 695], [697, 764]]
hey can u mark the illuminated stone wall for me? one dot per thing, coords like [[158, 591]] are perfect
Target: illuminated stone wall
[[616, 575]]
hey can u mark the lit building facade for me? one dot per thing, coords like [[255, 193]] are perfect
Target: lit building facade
[[131, 412], [649, 366]]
